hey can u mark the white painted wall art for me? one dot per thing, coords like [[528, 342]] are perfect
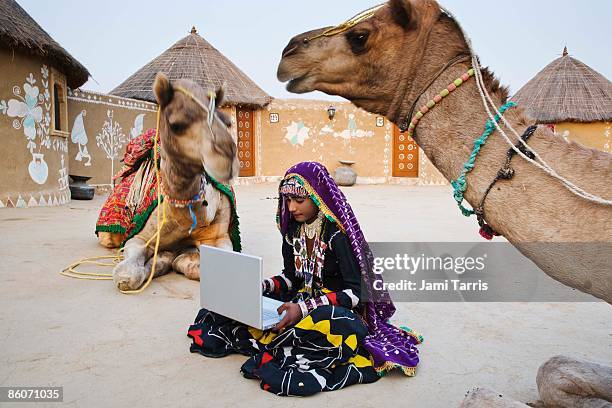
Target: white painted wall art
[[31, 112], [111, 139], [78, 135]]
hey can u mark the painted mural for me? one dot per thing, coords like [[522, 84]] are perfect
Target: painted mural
[[297, 130], [78, 135], [30, 109], [297, 133], [111, 139], [35, 158], [102, 125], [138, 126]]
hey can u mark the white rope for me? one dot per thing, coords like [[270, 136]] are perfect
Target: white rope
[[486, 100]]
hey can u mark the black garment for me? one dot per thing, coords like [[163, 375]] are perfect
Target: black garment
[[323, 351], [340, 268]]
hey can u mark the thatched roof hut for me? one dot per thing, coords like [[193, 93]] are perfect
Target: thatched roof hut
[[567, 90], [195, 59], [19, 31]]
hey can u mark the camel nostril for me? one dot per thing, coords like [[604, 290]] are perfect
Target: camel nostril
[[292, 47], [288, 51]]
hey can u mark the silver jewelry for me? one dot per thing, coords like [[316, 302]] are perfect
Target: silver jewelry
[[314, 228]]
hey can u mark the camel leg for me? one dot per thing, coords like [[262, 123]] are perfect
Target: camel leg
[[188, 260], [163, 265], [487, 398], [188, 263], [130, 273], [567, 382]]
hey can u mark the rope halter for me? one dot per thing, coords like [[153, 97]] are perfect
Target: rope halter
[[351, 22]]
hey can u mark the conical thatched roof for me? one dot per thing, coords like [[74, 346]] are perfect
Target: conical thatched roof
[[195, 59], [567, 90], [19, 31]]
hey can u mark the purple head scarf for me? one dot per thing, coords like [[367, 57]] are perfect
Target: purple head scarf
[[390, 346]]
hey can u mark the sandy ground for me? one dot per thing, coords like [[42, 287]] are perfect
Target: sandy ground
[[110, 349]]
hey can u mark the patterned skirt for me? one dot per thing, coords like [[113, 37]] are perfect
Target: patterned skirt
[[322, 352]]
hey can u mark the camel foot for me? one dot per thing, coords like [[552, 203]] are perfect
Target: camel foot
[[568, 382], [128, 275], [188, 263], [163, 265]]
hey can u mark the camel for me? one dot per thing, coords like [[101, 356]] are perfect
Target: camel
[[190, 146], [397, 58]]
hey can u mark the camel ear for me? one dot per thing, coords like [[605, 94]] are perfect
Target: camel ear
[[220, 94], [163, 89], [401, 11]]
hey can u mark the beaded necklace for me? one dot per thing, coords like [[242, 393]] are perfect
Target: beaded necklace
[[186, 203], [310, 267], [314, 227], [436, 99], [199, 197]]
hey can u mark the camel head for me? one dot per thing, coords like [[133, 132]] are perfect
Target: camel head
[[187, 138], [375, 60]]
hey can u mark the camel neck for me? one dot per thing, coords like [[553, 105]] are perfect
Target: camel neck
[[180, 182], [448, 131]]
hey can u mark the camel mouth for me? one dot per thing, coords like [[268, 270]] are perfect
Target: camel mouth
[[300, 85], [283, 73], [295, 77], [294, 84]]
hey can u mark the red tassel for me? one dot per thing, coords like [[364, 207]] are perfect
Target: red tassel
[[487, 232]]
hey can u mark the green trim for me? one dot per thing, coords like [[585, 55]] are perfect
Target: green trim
[[140, 220], [389, 366], [316, 199], [115, 228], [419, 336], [234, 228]]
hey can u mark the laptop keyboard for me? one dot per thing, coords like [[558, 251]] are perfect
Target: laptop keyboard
[[268, 312], [269, 315]]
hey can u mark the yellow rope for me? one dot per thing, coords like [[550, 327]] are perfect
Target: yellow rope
[[350, 23], [70, 270]]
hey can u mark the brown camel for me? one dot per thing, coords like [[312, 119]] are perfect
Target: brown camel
[[189, 146], [400, 57]]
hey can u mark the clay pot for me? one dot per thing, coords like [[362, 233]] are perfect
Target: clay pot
[[345, 175], [79, 189]]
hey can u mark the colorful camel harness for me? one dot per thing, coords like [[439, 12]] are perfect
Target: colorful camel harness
[[506, 172]]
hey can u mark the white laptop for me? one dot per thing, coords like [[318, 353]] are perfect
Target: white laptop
[[230, 285]]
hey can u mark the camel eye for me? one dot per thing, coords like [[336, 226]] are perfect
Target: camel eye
[[178, 128], [357, 41]]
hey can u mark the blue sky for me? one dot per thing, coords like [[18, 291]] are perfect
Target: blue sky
[[113, 38]]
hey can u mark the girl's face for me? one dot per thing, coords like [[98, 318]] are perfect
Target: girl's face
[[302, 209]]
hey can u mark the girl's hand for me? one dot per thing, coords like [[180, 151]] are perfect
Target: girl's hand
[[293, 314]]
